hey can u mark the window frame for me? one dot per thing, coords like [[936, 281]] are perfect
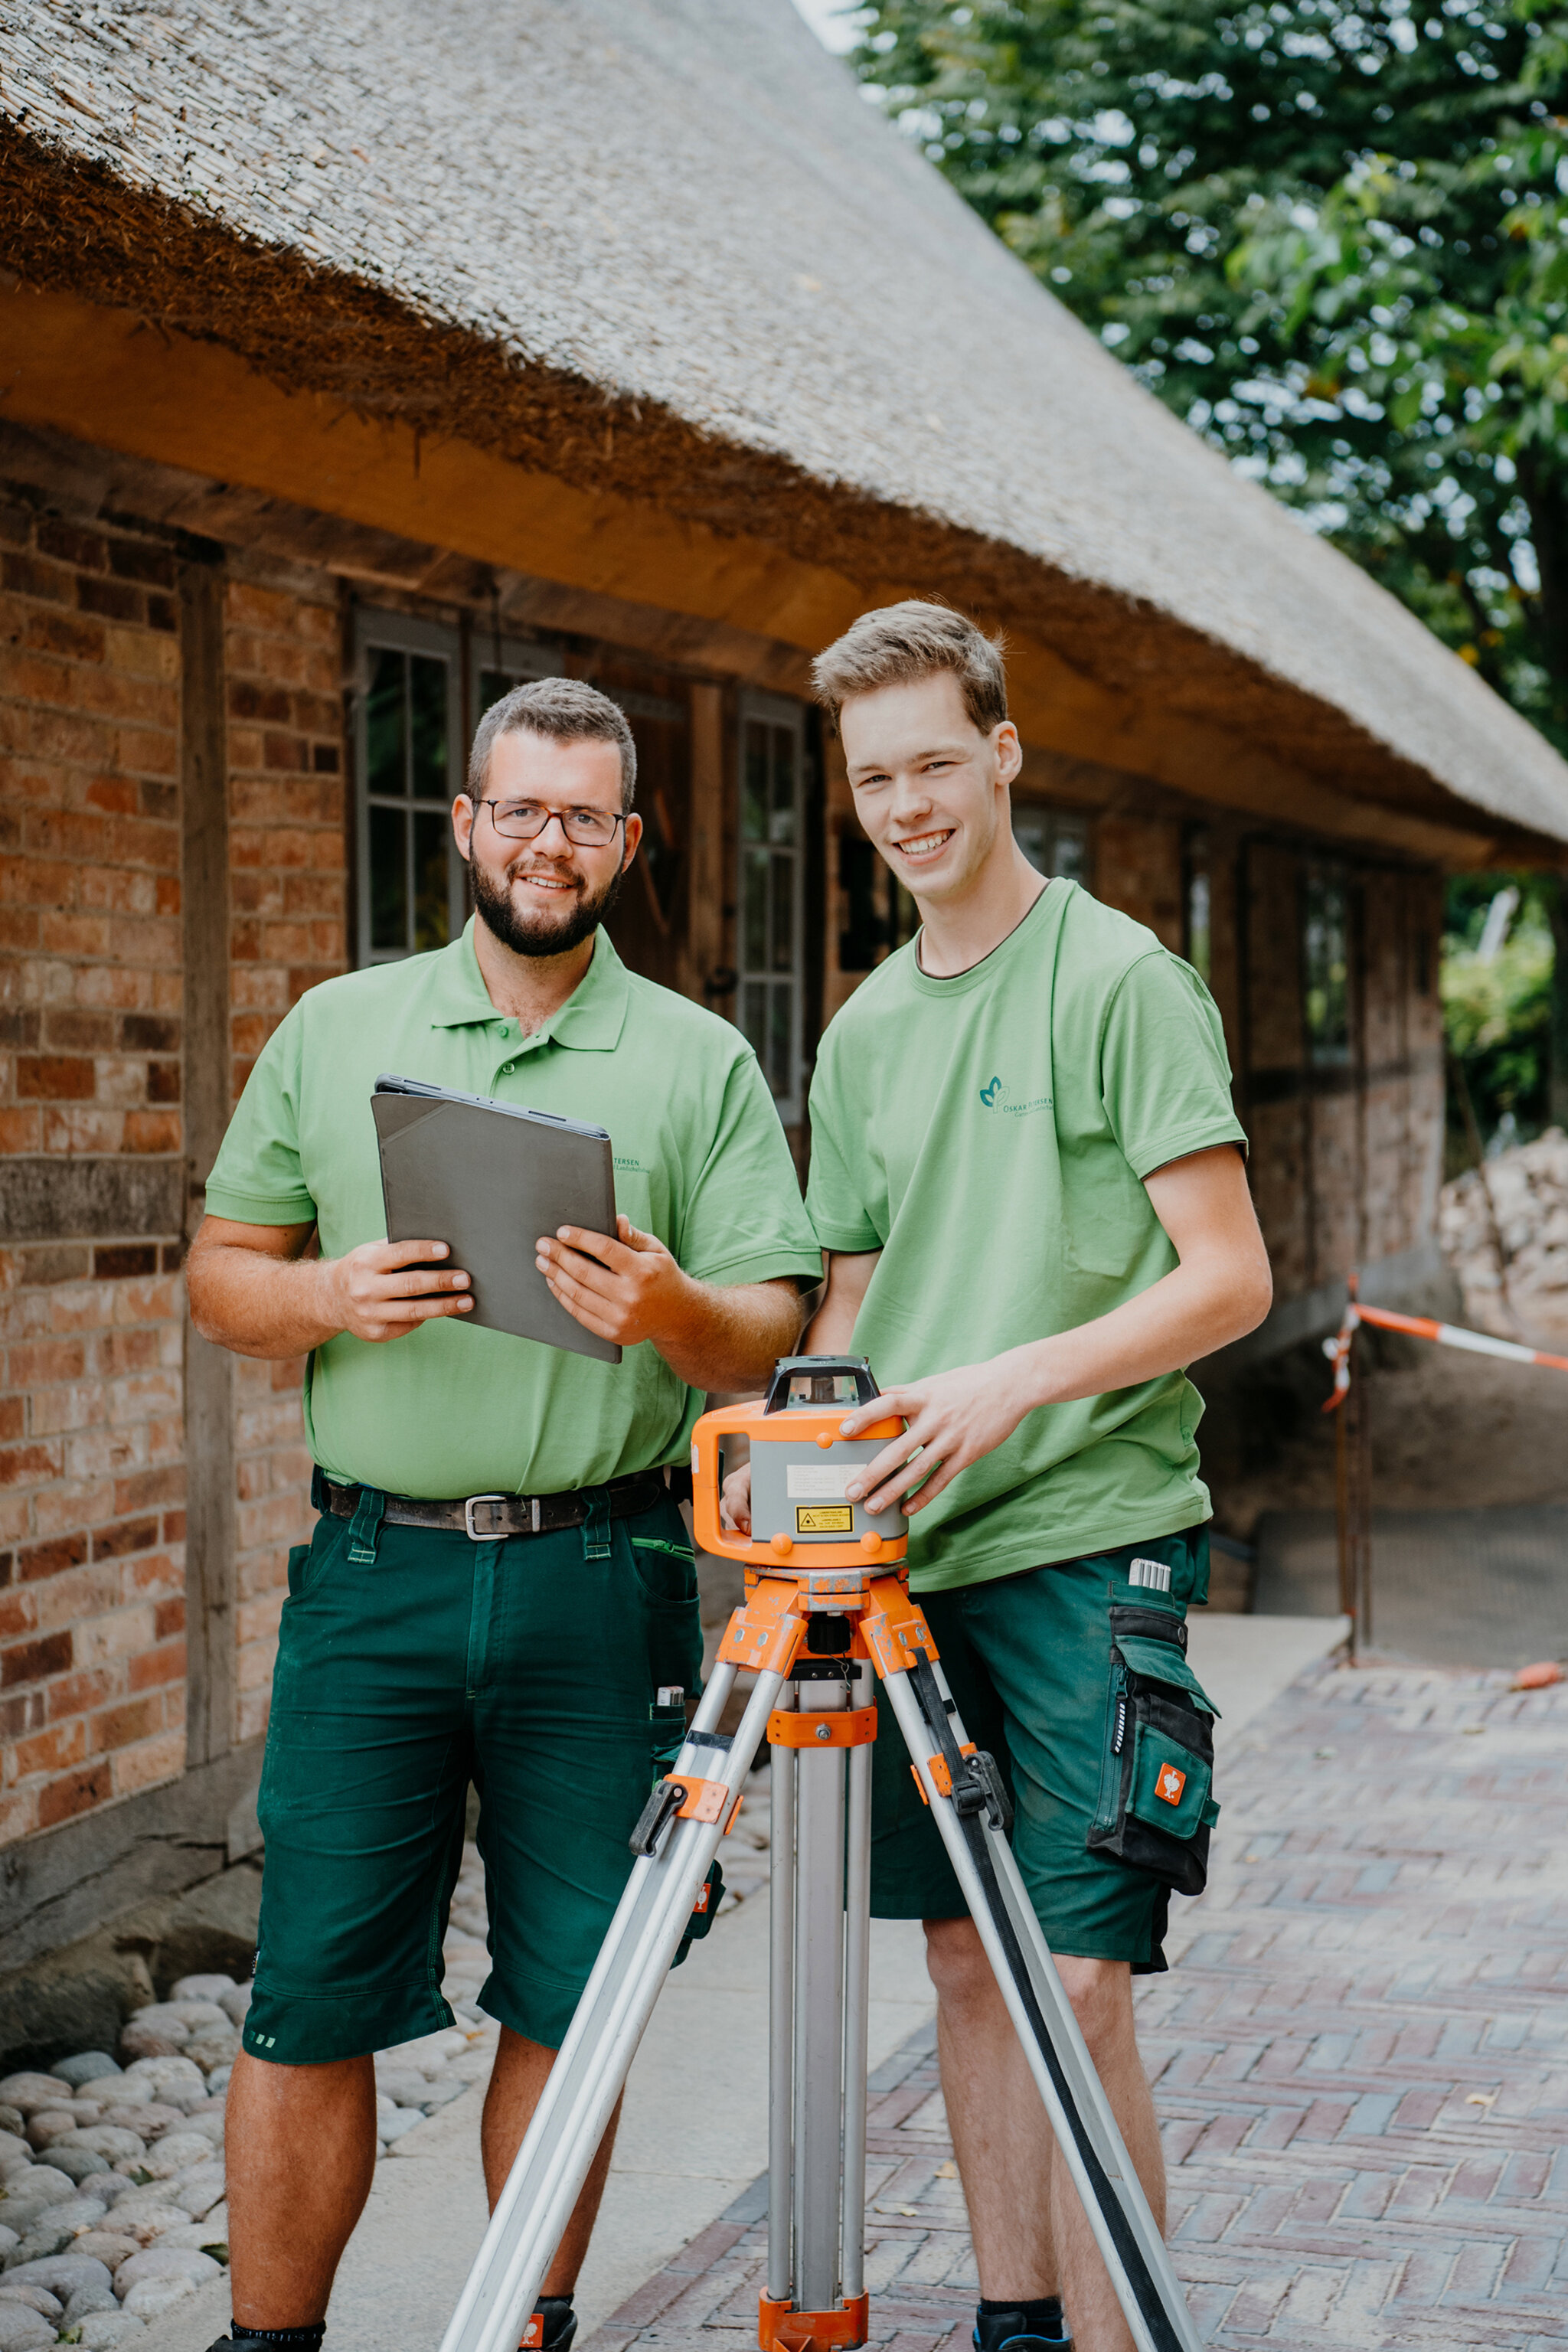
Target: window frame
[[1330, 874], [776, 710], [376, 630]]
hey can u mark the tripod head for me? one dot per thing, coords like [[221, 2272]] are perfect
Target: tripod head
[[801, 1519]]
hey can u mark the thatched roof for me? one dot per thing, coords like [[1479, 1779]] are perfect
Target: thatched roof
[[663, 246]]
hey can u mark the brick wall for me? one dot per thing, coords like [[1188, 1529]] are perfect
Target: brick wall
[[91, 991], [90, 1480], [288, 836]]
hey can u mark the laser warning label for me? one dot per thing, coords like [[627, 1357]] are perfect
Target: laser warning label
[[825, 1519]]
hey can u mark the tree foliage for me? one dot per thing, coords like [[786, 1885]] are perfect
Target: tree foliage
[[1333, 238]]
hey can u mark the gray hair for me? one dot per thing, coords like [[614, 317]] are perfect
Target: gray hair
[[568, 710], [899, 643]]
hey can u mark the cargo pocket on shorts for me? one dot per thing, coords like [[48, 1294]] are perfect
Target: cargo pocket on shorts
[[1156, 1808]]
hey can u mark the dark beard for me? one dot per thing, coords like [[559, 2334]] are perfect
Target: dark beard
[[540, 937]]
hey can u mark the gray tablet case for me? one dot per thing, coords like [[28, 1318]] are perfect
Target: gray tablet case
[[489, 1178]]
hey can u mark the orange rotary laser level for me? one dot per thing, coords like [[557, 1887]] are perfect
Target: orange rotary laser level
[[801, 1465]]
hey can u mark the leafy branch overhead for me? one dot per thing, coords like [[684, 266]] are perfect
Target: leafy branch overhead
[[1334, 239]]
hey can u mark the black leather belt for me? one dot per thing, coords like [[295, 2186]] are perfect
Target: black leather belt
[[488, 1518]]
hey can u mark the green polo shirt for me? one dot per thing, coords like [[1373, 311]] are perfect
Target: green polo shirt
[[700, 1160]]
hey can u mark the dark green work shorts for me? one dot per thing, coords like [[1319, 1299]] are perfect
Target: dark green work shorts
[[530, 1666], [1028, 1661]]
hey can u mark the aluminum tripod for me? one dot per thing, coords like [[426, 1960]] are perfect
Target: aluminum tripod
[[814, 1638]]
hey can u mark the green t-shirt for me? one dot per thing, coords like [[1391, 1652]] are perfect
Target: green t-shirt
[[700, 1160], [988, 1134]]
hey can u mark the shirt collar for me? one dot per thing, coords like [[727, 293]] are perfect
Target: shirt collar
[[590, 1022]]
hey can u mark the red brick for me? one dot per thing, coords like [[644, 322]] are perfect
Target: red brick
[[145, 1487], [24, 1465], [169, 1617], [117, 600], [22, 1714], [34, 1662], [121, 1261], [25, 575], [36, 1560], [36, 1365], [54, 1077], [125, 1536], [154, 1131], [75, 1694], [151, 1668], [67, 540], [118, 1727], [78, 1793], [174, 1527], [54, 1749]]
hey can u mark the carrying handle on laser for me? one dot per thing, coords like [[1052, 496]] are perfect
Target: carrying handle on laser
[[706, 1471], [855, 1367]]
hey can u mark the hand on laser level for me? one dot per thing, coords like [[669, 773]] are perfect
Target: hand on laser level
[[735, 1502], [953, 1419], [384, 1290], [627, 1289]]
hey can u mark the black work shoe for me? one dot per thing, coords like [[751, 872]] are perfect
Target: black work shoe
[[552, 2326], [1012, 2331], [241, 2340]]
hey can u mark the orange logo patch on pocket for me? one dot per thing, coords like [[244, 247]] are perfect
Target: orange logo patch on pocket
[[532, 2334], [1170, 1784]]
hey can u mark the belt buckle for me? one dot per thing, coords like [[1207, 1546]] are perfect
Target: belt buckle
[[472, 1502]]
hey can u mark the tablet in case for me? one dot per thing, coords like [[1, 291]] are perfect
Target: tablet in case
[[490, 1179]]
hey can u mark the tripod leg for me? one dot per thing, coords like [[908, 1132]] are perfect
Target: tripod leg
[[969, 1814], [857, 2001], [819, 2015], [593, 2062], [781, 2020]]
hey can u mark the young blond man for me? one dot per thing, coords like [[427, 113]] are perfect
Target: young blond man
[[1029, 1179]]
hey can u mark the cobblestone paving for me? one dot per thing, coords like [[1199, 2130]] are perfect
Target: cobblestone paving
[[1360, 2055]]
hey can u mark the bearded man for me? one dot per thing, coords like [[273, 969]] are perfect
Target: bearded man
[[501, 1582]]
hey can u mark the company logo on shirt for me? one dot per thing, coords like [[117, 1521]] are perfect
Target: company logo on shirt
[[1170, 1784], [991, 1094]]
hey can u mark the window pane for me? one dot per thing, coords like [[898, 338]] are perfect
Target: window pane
[[754, 911], [493, 684], [755, 782], [779, 1036], [783, 894], [1031, 831], [432, 922], [386, 767], [427, 704], [1325, 958], [1198, 925], [755, 1017], [1069, 857], [781, 825], [388, 880]]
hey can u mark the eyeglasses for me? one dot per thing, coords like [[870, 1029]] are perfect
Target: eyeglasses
[[526, 820]]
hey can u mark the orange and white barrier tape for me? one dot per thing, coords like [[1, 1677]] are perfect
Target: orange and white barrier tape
[[1419, 1326]]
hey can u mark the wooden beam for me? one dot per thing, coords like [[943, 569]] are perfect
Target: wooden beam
[[705, 926], [111, 380], [209, 1370]]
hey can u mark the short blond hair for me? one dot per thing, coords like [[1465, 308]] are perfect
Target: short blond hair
[[898, 644]]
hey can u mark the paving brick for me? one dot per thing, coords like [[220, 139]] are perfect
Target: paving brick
[[1360, 2198]]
